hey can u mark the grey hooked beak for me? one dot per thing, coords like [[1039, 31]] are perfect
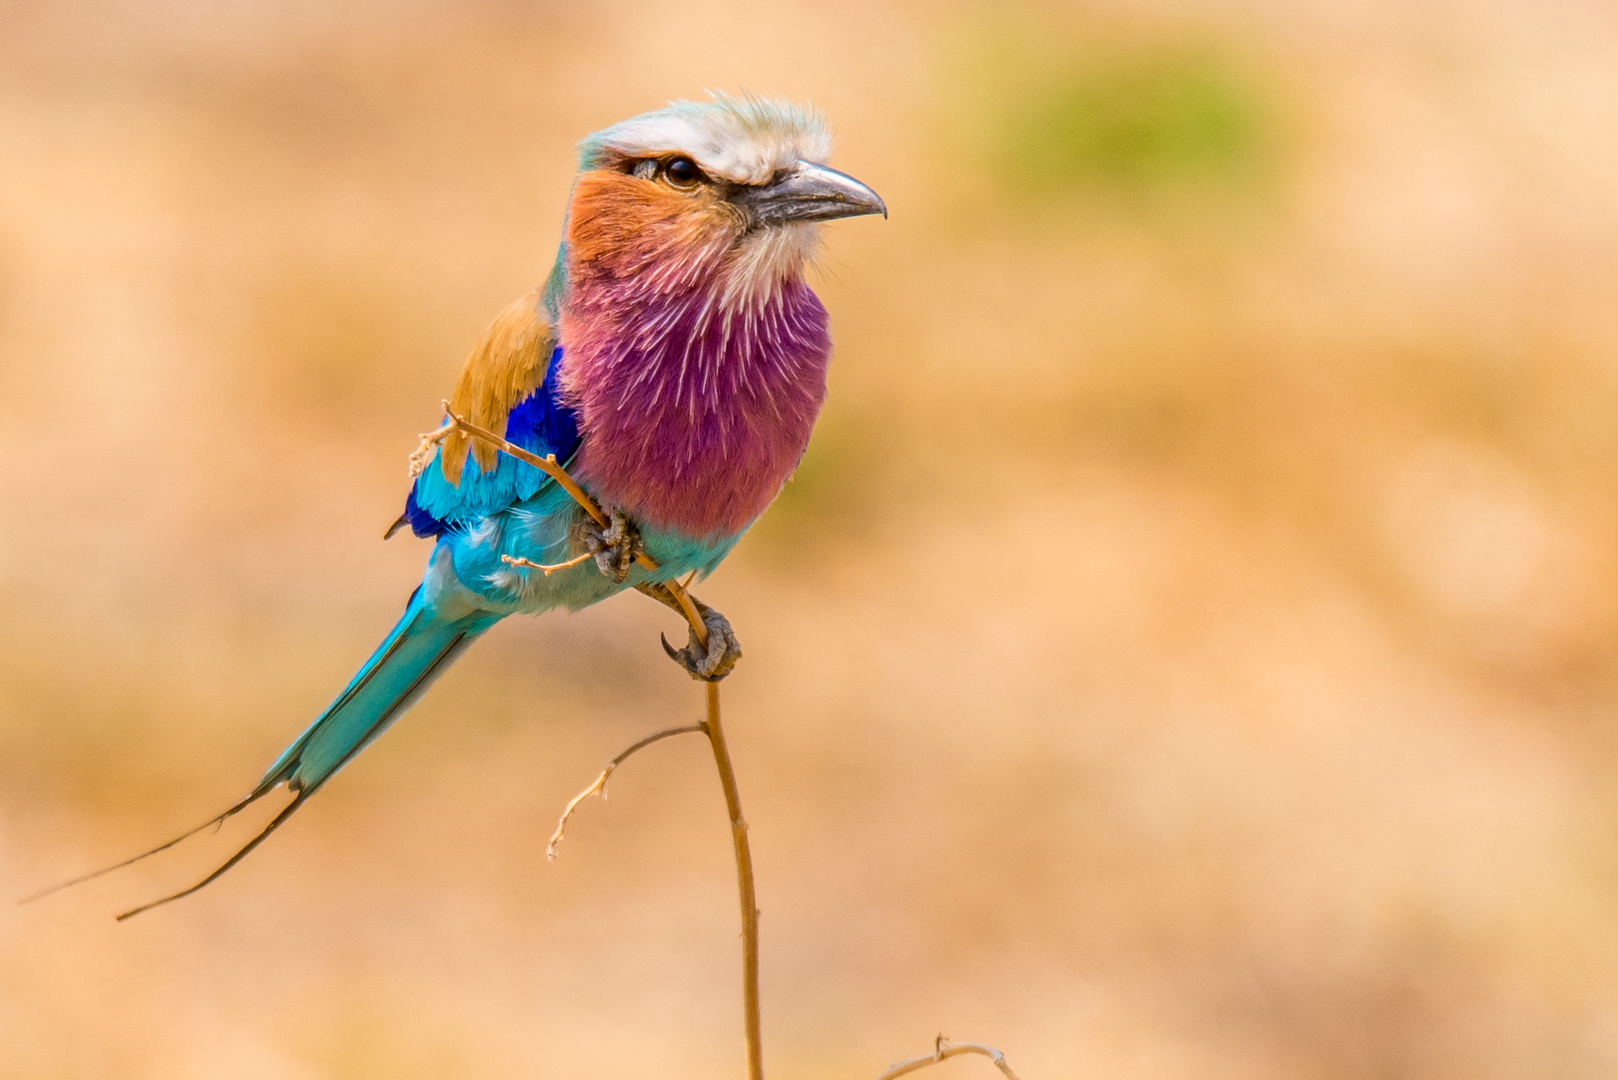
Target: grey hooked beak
[[808, 192]]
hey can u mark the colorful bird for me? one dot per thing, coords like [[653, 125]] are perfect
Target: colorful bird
[[674, 361]]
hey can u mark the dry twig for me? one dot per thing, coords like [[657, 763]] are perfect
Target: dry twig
[[422, 456], [744, 861], [600, 785], [673, 594], [942, 1049], [744, 886], [548, 465], [518, 560]]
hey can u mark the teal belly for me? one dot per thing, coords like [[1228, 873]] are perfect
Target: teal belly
[[536, 530]]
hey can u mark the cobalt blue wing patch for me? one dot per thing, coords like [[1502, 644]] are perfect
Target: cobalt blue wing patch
[[421, 522], [541, 423]]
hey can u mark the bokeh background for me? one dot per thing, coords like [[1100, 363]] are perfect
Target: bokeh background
[[1188, 649]]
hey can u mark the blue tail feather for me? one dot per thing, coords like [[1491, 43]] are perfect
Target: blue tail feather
[[420, 648]]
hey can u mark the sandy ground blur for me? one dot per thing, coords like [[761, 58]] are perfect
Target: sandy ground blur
[[1188, 649]]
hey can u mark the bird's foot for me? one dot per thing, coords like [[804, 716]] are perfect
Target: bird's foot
[[615, 545], [714, 661]]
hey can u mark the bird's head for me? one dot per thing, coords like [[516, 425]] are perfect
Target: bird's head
[[725, 195]]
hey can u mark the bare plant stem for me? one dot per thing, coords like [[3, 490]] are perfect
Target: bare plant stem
[[546, 464], [548, 570], [664, 591], [599, 787], [943, 1049], [744, 885], [674, 594], [711, 727], [549, 466]]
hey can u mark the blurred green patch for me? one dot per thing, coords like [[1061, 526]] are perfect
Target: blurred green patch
[[1138, 121], [1134, 119]]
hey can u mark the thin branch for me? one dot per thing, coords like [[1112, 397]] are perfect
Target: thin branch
[[689, 609], [744, 886], [942, 1049], [674, 594], [599, 787], [517, 560], [746, 890], [423, 454], [548, 465]]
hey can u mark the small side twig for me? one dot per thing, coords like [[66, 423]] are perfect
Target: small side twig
[[546, 464], [599, 787], [942, 1049], [422, 456], [518, 560]]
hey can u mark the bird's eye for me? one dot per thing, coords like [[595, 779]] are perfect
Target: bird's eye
[[682, 172]]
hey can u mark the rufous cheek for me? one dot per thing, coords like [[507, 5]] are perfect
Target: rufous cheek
[[621, 222]]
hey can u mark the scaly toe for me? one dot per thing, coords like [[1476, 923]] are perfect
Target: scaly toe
[[615, 546], [719, 658]]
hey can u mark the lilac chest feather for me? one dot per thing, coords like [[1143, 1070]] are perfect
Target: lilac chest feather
[[693, 414]]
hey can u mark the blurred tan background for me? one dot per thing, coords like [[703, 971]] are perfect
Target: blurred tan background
[[1188, 649]]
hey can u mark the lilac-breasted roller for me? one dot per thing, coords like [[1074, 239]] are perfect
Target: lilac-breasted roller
[[674, 361]]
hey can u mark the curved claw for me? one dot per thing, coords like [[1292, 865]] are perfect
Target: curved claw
[[719, 658]]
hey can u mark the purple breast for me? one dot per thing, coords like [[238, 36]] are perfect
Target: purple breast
[[693, 415]]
